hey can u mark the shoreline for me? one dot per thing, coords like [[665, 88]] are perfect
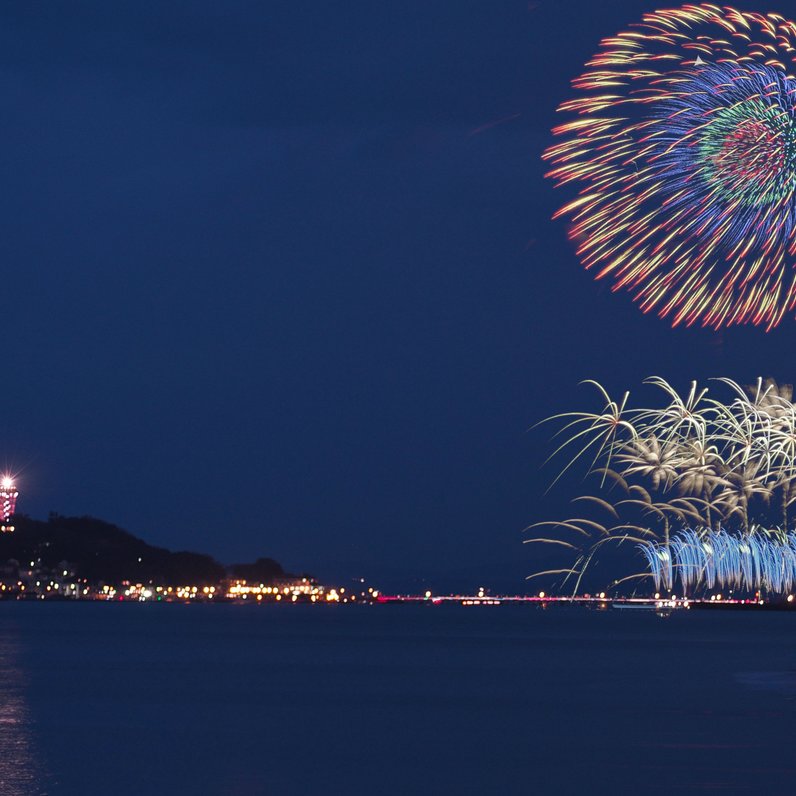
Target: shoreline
[[599, 603]]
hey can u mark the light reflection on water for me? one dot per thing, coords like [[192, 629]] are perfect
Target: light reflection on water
[[19, 768]]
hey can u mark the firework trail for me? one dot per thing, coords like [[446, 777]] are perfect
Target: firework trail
[[683, 148], [753, 561]]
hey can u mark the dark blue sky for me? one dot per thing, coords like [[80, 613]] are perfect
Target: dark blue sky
[[276, 285]]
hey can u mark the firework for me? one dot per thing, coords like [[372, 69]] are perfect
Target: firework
[[683, 147], [751, 561], [694, 482]]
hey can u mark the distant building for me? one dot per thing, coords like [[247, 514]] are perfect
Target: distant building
[[8, 502], [297, 585], [291, 588]]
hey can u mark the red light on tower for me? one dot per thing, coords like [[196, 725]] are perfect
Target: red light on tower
[[8, 502]]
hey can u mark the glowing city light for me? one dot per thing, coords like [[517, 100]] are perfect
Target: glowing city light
[[8, 501]]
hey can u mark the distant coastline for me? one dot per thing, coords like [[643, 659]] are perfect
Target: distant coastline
[[88, 558], [85, 558]]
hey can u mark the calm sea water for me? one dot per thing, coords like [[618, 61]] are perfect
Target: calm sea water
[[173, 699]]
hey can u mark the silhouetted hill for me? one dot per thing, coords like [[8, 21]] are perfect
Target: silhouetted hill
[[263, 570], [102, 552]]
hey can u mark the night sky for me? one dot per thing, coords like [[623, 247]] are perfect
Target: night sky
[[280, 278]]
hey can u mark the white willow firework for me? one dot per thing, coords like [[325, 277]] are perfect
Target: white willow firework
[[704, 487]]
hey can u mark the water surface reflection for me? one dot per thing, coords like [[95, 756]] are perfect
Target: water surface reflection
[[19, 767]]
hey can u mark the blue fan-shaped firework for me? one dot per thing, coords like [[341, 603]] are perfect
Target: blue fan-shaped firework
[[749, 561]]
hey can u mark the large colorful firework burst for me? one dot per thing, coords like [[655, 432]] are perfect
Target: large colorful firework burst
[[683, 147]]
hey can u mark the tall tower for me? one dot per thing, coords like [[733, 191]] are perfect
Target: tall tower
[[8, 502]]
